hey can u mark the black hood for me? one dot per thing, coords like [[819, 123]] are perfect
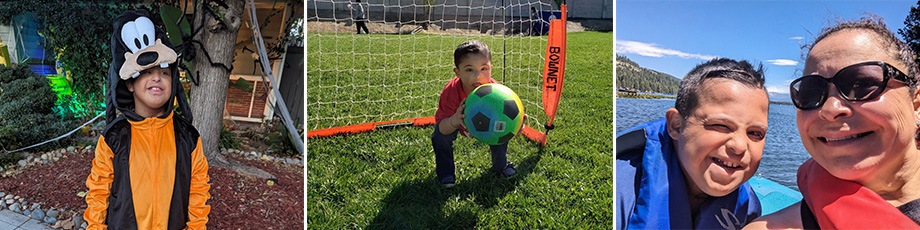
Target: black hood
[[137, 45]]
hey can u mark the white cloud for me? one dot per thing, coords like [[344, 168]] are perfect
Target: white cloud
[[782, 62], [651, 50], [796, 38], [777, 89]]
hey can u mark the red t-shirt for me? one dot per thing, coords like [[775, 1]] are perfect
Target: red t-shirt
[[451, 96]]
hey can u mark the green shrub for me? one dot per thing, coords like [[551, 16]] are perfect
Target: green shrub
[[227, 140], [278, 139], [78, 33], [9, 159], [26, 114]]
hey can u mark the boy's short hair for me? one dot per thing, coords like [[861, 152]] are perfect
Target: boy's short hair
[[470, 47], [743, 72]]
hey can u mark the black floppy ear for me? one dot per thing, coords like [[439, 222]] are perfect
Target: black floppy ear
[[183, 103], [110, 95]]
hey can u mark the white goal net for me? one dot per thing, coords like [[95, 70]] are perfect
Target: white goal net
[[396, 72]]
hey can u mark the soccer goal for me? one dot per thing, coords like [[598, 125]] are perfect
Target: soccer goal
[[393, 76]]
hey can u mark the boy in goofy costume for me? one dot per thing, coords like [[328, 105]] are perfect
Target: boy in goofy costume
[[149, 171]]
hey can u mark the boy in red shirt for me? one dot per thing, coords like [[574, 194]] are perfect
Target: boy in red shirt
[[473, 62]]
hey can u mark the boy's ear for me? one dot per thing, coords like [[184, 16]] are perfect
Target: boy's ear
[[456, 71], [674, 122], [130, 85]]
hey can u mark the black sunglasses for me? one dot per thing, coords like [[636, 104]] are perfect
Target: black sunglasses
[[858, 82]]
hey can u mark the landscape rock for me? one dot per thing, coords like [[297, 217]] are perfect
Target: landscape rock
[[71, 149], [23, 163], [14, 207], [49, 219], [38, 214], [52, 212], [10, 201], [78, 220]]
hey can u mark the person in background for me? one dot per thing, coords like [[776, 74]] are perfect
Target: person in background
[[360, 17]]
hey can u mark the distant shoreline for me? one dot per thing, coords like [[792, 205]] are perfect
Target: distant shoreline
[[651, 96], [643, 96]]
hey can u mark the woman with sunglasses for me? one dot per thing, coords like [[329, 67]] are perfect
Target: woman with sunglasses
[[858, 116]]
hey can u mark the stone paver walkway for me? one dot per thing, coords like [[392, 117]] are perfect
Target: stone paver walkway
[[10, 220]]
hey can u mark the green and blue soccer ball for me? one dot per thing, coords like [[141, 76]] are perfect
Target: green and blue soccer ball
[[494, 114]]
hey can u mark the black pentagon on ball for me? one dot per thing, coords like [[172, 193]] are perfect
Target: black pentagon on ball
[[483, 91], [505, 138], [511, 109], [481, 122]]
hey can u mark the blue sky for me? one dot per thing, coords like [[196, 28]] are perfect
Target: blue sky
[[674, 36]]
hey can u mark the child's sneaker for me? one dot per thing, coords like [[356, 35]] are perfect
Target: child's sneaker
[[448, 181], [508, 172]]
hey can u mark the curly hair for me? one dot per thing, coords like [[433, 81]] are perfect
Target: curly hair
[[896, 48]]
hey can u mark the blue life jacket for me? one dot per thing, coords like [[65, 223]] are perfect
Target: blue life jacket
[[652, 190]]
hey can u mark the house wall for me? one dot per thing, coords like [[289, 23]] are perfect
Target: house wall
[[243, 61], [255, 106], [8, 36], [291, 86], [241, 103]]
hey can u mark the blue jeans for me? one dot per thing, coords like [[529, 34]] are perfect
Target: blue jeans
[[444, 154]]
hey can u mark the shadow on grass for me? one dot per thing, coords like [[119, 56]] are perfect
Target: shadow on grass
[[419, 204]]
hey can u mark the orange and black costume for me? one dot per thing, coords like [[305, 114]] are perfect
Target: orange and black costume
[[148, 173]]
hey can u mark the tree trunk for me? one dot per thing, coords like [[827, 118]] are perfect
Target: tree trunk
[[208, 99]]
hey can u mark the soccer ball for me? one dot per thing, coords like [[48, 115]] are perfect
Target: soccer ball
[[494, 114]]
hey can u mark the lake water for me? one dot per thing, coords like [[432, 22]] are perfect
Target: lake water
[[782, 154]]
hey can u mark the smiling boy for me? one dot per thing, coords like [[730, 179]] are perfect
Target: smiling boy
[[473, 62], [148, 171], [690, 170]]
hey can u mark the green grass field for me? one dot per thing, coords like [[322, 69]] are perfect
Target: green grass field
[[385, 179]]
